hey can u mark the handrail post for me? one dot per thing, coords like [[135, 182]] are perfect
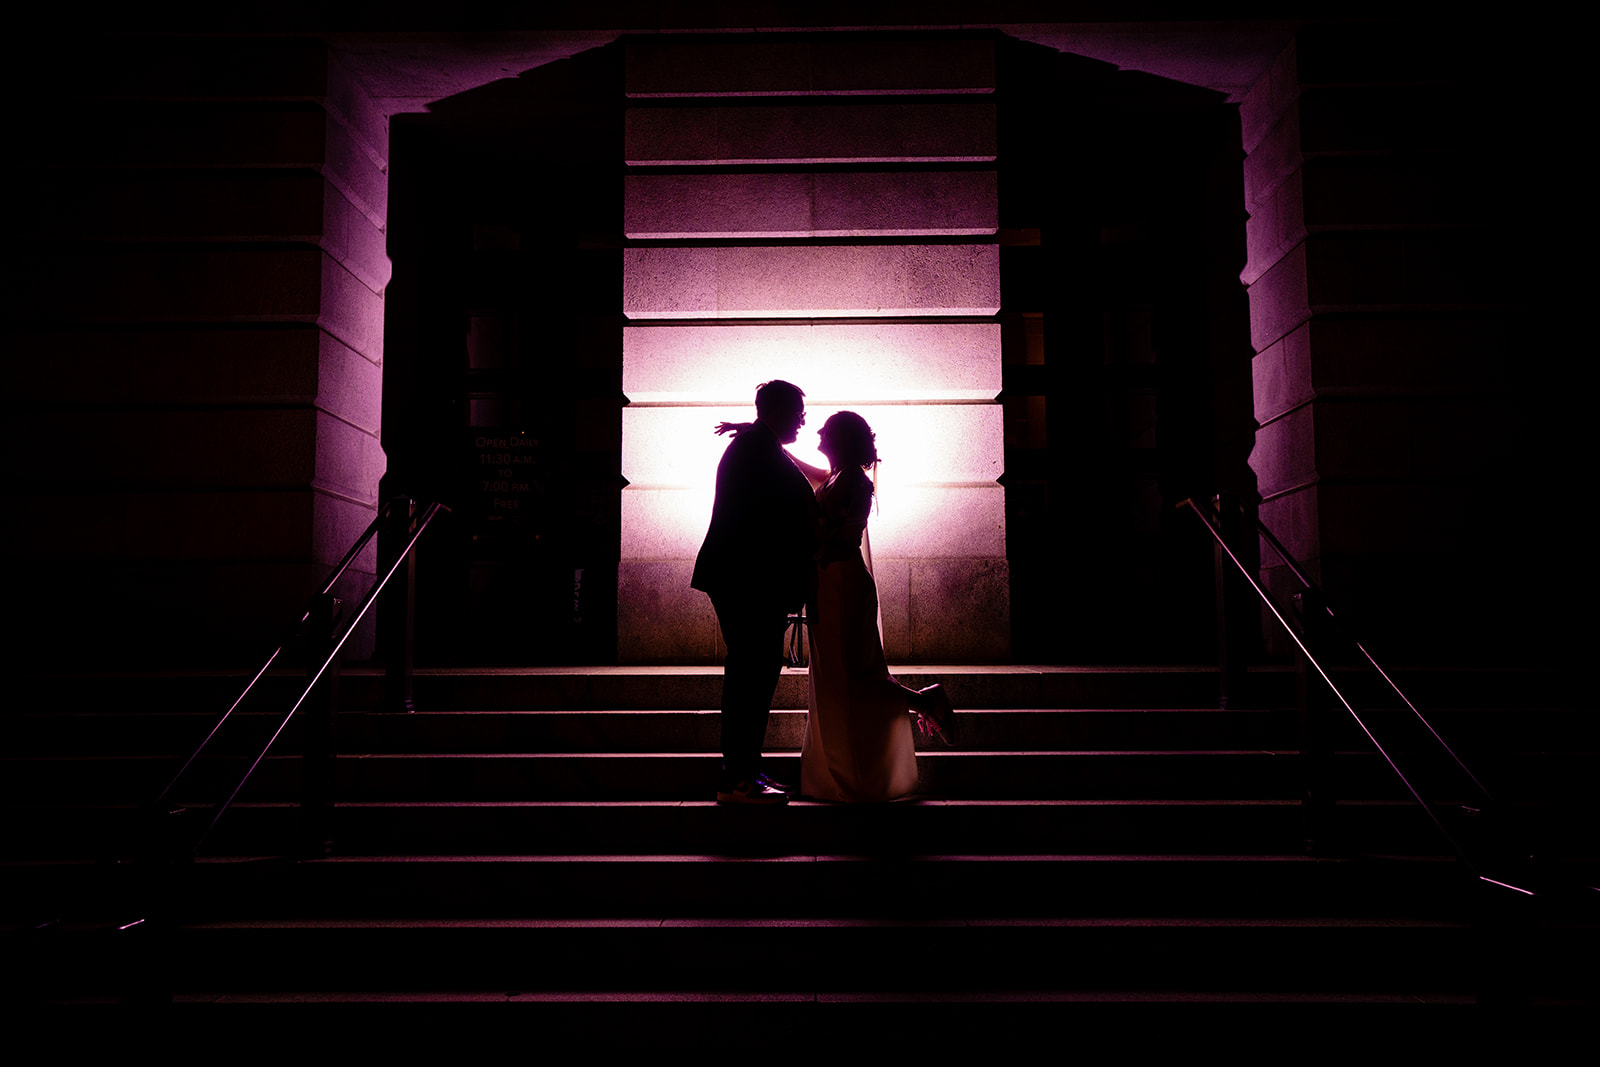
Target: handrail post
[[158, 882], [1316, 704], [397, 613], [316, 799], [1230, 632]]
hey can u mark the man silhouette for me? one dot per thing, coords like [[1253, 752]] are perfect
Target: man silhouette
[[757, 565]]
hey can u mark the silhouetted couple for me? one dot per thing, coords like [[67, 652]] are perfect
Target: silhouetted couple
[[782, 534]]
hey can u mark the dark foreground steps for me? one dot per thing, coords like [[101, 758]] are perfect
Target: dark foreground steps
[[646, 929], [544, 836], [1001, 958]]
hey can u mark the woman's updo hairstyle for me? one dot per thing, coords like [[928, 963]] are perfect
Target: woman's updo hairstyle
[[852, 438]]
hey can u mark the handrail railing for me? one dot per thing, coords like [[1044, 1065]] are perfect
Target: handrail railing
[[327, 587], [426, 516], [1327, 678], [1327, 609]]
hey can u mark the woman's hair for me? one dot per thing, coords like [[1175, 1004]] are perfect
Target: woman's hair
[[853, 438]]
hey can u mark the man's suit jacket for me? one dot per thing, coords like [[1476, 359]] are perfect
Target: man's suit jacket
[[762, 539]]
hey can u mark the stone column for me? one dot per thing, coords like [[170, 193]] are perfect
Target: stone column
[[847, 247], [200, 342], [1380, 279]]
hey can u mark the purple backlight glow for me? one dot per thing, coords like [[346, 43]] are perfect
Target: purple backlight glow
[[927, 388], [935, 486]]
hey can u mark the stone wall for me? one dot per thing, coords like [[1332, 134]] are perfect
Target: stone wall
[[846, 255], [197, 343]]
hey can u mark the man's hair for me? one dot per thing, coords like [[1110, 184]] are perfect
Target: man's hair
[[778, 396]]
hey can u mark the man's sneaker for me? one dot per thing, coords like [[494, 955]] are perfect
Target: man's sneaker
[[752, 793], [770, 783]]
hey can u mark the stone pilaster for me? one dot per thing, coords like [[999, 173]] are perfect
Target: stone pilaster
[[198, 342], [1379, 278]]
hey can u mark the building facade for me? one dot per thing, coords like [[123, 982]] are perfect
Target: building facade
[[1073, 271]]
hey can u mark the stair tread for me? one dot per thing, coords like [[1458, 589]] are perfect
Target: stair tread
[[828, 923]]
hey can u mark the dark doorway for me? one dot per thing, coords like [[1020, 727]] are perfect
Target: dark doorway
[[503, 362], [1127, 377]]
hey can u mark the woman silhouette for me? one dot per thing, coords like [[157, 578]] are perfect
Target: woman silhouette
[[858, 744]]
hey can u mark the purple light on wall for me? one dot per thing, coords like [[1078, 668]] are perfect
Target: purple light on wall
[[959, 130], [889, 204], [786, 281], [836, 363], [689, 360]]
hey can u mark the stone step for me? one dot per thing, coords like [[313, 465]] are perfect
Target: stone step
[[134, 733], [210, 692], [1223, 775], [457, 777], [1113, 827], [819, 957], [1005, 729], [950, 886], [704, 828], [643, 688]]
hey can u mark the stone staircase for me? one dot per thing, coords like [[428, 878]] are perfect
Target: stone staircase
[[546, 836]]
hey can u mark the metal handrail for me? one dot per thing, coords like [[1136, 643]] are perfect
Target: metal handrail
[[427, 516], [1337, 692], [1327, 608], [327, 587]]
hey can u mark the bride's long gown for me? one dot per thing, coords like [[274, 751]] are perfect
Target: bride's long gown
[[859, 743]]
